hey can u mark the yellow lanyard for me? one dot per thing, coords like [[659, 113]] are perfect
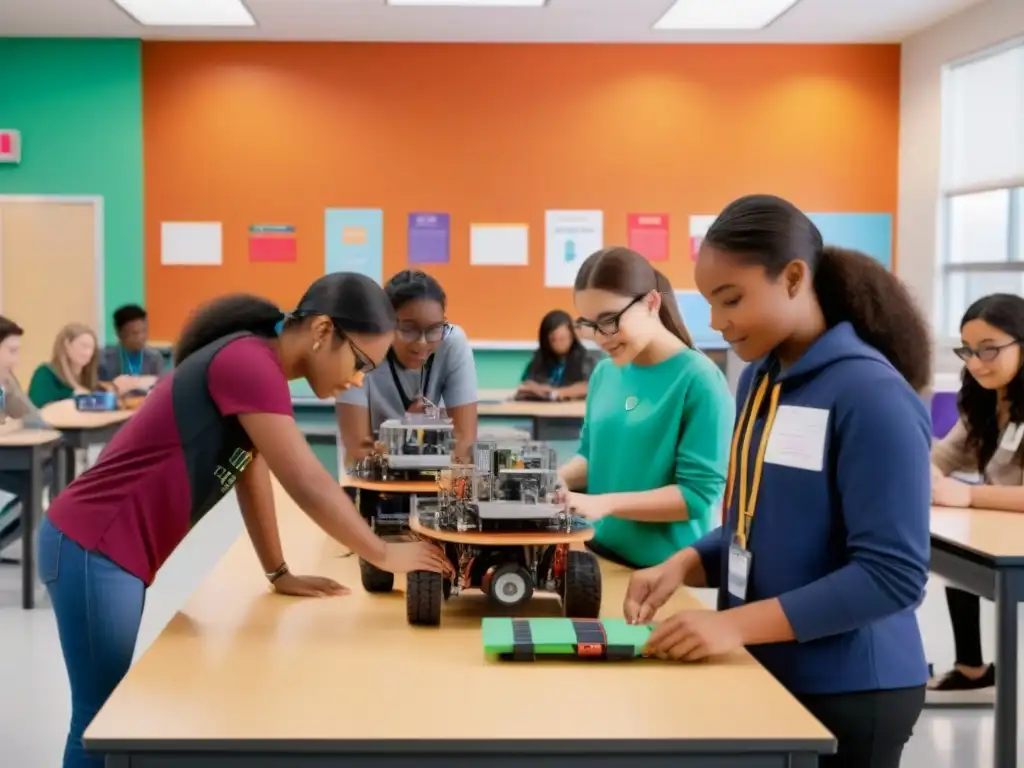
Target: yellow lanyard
[[749, 413]]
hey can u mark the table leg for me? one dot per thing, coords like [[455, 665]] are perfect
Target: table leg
[[1007, 598], [30, 514], [70, 465]]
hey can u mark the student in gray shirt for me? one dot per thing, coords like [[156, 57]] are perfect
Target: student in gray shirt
[[429, 359], [130, 357]]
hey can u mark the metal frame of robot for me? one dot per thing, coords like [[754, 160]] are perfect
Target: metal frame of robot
[[509, 574]]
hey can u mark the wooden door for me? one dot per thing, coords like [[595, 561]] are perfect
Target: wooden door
[[48, 273]]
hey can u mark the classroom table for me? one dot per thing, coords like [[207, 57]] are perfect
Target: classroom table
[[27, 450], [983, 551], [243, 677], [544, 417], [81, 429]]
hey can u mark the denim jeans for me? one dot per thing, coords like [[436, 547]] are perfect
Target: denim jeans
[[98, 607]]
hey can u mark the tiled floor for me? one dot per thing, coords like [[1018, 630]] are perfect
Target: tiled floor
[[34, 688]]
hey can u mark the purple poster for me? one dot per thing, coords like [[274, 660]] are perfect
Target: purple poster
[[428, 238]]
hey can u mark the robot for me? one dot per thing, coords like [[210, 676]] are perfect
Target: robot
[[502, 525]]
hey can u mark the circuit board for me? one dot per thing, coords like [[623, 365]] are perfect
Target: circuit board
[[511, 639]]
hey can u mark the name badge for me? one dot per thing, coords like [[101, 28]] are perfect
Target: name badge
[[1012, 436], [739, 571], [798, 438]]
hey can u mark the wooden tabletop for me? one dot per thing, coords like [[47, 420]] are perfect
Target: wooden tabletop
[[26, 438], [570, 409], [987, 532], [64, 415], [240, 663]]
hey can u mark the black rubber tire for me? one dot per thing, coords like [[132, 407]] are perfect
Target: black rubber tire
[[374, 579], [581, 586], [423, 598]]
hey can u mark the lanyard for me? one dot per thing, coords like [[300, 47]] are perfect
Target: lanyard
[[424, 379], [745, 425], [126, 363]]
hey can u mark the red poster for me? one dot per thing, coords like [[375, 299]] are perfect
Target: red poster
[[648, 235], [269, 242]]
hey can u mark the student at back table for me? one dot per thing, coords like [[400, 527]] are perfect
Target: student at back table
[[72, 369], [130, 364], [987, 440], [560, 368]]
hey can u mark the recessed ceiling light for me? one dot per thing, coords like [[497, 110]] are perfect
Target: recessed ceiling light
[[188, 13], [470, 3], [723, 14]]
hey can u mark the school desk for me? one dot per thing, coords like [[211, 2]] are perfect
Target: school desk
[[983, 552], [27, 450], [81, 429], [548, 421], [242, 677]]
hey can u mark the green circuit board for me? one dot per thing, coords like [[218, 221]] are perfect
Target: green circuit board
[[530, 639]]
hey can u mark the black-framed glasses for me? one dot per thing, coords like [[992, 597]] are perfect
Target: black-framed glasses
[[364, 364], [410, 332], [606, 325], [986, 353]]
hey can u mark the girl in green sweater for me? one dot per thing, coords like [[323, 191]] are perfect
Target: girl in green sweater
[[71, 371], [654, 451]]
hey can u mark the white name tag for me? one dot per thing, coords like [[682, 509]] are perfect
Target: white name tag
[[1012, 436], [798, 438], [739, 571]]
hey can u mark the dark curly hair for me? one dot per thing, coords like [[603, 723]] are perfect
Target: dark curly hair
[[850, 286], [979, 406], [414, 285]]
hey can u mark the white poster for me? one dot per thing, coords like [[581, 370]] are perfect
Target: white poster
[[570, 237], [191, 243], [699, 226], [499, 245]]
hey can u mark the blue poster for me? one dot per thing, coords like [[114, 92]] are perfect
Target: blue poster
[[354, 241]]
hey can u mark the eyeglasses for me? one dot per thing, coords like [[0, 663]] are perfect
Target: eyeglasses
[[986, 353], [409, 332], [363, 362], [607, 325]]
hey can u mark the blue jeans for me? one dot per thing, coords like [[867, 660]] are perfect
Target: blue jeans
[[98, 607]]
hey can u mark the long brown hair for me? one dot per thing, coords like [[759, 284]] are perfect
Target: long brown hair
[[623, 271], [61, 364]]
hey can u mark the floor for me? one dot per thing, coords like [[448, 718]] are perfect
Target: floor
[[31, 672]]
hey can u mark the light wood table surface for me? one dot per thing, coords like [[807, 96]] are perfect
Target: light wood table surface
[[301, 682], [982, 551], [547, 420]]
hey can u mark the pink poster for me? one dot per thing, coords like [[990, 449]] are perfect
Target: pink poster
[[648, 235]]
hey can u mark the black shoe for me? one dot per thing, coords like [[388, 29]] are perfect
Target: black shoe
[[955, 680]]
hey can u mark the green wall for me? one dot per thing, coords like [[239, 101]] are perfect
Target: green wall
[[78, 105]]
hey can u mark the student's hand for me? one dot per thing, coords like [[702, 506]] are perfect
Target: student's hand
[[693, 636], [419, 405], [649, 589], [947, 492], [937, 476], [404, 557], [308, 586], [592, 507]]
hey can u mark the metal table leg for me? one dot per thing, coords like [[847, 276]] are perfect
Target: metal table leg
[[1007, 596], [31, 513]]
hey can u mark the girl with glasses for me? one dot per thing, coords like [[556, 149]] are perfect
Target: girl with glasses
[[987, 441], [654, 449], [560, 368], [221, 419], [430, 360]]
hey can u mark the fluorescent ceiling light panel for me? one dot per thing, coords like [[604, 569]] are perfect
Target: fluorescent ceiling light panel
[[469, 3], [722, 14], [188, 13]]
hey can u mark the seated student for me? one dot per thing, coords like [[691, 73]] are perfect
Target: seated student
[[654, 449], [986, 441], [430, 359], [71, 370], [560, 368], [130, 364], [221, 419], [831, 452]]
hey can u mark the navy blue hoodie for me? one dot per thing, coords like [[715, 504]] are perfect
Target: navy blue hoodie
[[846, 548]]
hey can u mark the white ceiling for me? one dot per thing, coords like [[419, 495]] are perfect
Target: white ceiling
[[825, 21]]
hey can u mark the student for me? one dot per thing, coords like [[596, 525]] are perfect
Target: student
[[430, 360], [654, 448], [71, 370], [130, 364], [822, 584], [222, 416], [560, 368], [986, 441]]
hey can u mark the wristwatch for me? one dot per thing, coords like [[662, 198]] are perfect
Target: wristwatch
[[275, 575]]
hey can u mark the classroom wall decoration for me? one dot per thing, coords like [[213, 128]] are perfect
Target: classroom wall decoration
[[272, 242], [191, 243], [244, 132], [569, 237], [648, 235], [429, 238]]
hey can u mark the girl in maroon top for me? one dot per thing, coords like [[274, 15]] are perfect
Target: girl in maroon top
[[222, 419]]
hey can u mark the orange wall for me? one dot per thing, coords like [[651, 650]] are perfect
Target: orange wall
[[250, 133]]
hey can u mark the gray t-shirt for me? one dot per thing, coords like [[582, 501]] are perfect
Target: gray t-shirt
[[114, 363], [451, 383]]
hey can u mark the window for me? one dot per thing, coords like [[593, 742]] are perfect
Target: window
[[982, 215]]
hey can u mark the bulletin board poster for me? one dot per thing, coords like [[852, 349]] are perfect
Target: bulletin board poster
[[429, 239], [648, 235], [570, 236], [272, 242], [699, 226], [354, 241]]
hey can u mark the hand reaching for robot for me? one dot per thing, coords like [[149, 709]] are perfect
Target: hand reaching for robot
[[404, 557], [589, 506]]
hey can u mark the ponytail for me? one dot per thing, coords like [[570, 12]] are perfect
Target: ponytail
[[224, 316], [852, 287], [669, 313]]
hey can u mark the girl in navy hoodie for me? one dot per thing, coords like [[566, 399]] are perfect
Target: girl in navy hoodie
[[824, 553]]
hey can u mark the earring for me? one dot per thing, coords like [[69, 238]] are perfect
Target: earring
[[316, 346]]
